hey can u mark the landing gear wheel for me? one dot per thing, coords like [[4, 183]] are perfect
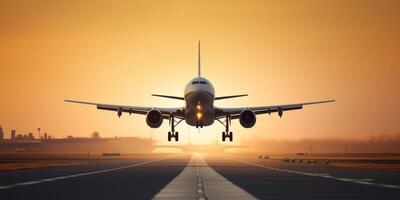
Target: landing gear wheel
[[199, 124], [227, 135], [169, 136], [173, 135]]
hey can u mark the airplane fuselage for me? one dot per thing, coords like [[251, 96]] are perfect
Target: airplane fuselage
[[199, 98]]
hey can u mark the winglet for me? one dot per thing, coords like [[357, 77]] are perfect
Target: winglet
[[81, 102], [199, 63]]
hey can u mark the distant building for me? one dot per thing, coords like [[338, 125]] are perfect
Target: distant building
[[96, 135], [1, 134], [30, 136], [21, 137], [13, 134], [79, 145]]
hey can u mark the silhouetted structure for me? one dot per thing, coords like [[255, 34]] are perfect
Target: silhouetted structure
[[1, 134], [27, 143], [96, 135], [13, 134], [30, 136]]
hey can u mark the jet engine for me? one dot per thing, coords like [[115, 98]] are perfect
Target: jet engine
[[154, 118], [247, 118]]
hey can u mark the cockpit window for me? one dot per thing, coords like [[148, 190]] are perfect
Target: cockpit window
[[199, 82]]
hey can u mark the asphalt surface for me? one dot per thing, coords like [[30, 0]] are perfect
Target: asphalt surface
[[210, 177]]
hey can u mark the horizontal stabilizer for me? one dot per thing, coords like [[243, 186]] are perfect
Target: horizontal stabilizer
[[167, 96], [232, 96]]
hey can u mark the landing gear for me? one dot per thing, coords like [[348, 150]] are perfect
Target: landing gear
[[172, 133], [199, 124], [227, 134]]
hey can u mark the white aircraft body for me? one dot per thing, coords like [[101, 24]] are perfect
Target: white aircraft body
[[199, 111]]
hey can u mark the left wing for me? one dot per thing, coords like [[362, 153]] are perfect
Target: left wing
[[166, 112], [168, 96], [234, 113]]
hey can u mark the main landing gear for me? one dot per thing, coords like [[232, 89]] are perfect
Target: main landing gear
[[226, 134], [172, 133]]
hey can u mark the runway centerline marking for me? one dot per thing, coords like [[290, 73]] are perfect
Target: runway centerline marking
[[350, 180], [4, 187], [199, 181]]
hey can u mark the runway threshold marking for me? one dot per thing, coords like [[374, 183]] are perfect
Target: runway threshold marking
[[351, 180], [4, 187], [199, 181]]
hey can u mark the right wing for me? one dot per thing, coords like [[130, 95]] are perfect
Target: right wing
[[232, 96], [166, 112], [235, 112]]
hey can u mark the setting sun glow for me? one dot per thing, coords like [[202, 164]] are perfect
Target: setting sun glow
[[278, 52]]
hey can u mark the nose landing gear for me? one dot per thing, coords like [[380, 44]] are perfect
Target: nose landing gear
[[199, 124]]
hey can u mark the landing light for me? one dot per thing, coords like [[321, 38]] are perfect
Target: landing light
[[199, 115]]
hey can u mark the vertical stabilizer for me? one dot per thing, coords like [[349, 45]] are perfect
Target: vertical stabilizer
[[199, 63]]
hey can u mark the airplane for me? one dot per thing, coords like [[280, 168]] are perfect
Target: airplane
[[199, 109]]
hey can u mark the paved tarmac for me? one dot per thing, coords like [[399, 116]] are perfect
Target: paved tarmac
[[196, 176]]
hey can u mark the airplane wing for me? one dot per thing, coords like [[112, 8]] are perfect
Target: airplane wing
[[168, 96], [166, 112], [229, 97], [235, 112]]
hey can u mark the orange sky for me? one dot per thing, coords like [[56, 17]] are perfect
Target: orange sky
[[276, 51]]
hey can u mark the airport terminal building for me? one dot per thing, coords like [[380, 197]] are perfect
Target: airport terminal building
[[29, 144]]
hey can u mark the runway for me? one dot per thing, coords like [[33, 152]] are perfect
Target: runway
[[197, 176]]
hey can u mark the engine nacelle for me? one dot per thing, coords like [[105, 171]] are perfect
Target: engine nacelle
[[247, 118], [154, 118]]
